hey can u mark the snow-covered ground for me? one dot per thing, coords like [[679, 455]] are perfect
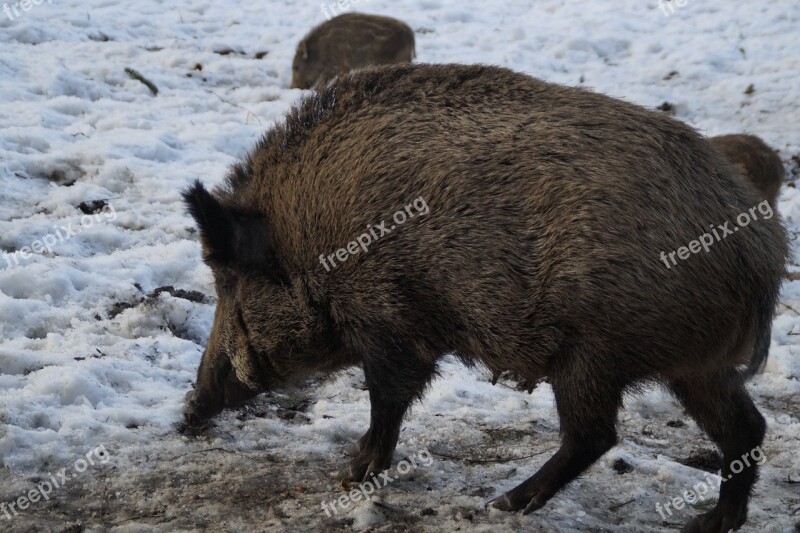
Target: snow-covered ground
[[91, 355]]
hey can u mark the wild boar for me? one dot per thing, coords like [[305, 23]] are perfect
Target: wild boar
[[348, 42], [755, 160], [548, 209]]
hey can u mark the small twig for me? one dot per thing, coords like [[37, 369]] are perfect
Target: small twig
[[486, 461], [617, 506], [136, 75], [247, 118], [384, 505], [791, 481], [172, 329], [202, 451], [137, 517], [790, 308]]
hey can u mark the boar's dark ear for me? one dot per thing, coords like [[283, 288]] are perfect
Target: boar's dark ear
[[215, 223], [302, 50], [231, 238]]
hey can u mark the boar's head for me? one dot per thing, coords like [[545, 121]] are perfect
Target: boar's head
[[307, 66], [264, 330]]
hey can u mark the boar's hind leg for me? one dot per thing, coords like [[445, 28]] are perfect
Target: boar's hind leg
[[393, 384], [721, 406], [587, 404]]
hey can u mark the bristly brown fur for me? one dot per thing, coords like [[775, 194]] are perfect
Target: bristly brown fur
[[349, 42], [549, 208], [755, 160]]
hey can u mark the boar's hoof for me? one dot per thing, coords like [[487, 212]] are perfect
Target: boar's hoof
[[717, 521], [501, 503], [359, 470], [510, 502]]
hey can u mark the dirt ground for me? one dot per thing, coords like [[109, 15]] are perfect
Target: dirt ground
[[204, 483]]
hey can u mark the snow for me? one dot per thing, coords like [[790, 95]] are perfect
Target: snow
[[78, 370]]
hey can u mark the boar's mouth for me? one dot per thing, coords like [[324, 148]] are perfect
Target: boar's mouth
[[203, 403]]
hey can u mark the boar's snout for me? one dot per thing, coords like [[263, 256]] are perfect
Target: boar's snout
[[199, 408], [214, 393], [296, 84]]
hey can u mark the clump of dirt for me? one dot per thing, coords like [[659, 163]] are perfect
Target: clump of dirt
[[119, 307], [621, 466], [706, 460], [151, 298], [192, 296], [667, 108], [92, 207]]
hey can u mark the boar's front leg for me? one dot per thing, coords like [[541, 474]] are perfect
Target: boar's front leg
[[393, 384]]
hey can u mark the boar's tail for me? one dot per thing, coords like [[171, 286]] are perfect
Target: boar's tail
[[763, 337]]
